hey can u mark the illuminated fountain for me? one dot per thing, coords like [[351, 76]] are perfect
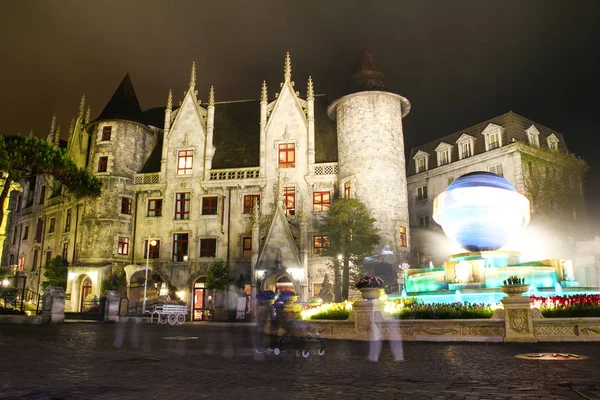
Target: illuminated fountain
[[481, 212]]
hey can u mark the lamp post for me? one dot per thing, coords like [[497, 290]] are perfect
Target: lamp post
[[151, 242]]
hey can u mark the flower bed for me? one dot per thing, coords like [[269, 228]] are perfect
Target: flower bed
[[577, 306], [443, 311], [10, 311]]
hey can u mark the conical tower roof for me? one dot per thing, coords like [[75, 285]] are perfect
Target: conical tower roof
[[123, 104], [366, 76]]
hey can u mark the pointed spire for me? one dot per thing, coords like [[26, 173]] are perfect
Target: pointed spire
[[263, 92], [123, 104], [211, 96], [170, 100], [88, 113], [310, 91], [82, 105], [72, 126], [31, 134], [50, 137], [287, 70], [193, 75], [57, 137]]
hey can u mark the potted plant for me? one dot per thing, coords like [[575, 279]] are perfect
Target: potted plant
[[514, 286], [370, 286]]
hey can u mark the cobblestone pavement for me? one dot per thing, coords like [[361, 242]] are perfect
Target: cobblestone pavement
[[126, 361]]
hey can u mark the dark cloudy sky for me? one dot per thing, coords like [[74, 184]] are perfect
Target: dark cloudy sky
[[458, 62]]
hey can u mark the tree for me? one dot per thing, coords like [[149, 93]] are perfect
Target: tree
[[351, 231], [117, 282], [25, 158], [553, 182], [217, 279], [56, 272]]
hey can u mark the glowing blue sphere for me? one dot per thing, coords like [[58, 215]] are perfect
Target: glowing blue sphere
[[481, 211]]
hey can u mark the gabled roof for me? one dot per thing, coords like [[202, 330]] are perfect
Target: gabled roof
[[123, 104], [514, 126]]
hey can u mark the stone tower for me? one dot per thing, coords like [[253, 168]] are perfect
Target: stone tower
[[371, 154]]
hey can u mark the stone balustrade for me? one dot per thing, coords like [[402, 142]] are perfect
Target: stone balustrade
[[146, 179], [234, 173], [325, 169]]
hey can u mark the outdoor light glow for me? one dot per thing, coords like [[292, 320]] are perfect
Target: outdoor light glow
[[481, 211], [5, 282]]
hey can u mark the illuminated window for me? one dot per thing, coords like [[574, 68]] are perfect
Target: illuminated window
[[182, 206], [154, 207], [123, 247], [68, 221], [25, 232], [347, 187], [65, 250], [185, 160], [403, 238], [494, 141], [42, 194], [552, 142], [103, 164], [496, 169], [180, 247], [153, 251], [443, 151], [21, 263], [422, 193], [246, 246], [444, 157], [249, 201], [287, 155], [125, 205], [421, 164], [289, 200], [320, 244], [321, 201], [106, 131], [424, 221], [208, 247], [465, 150], [209, 205]]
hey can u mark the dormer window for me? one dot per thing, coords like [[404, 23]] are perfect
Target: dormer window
[[443, 154], [533, 136], [465, 145], [552, 142], [493, 136], [421, 161], [185, 162]]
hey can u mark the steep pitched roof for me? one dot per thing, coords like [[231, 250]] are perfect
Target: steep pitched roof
[[514, 130], [366, 76], [123, 104]]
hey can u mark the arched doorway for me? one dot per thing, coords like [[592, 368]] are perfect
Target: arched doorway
[[86, 294], [202, 301]]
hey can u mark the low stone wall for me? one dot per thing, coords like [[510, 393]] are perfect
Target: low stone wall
[[567, 329], [23, 319], [451, 330]]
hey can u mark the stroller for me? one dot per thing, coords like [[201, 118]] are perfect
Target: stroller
[[296, 335]]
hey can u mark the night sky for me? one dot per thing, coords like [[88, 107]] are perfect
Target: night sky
[[458, 62]]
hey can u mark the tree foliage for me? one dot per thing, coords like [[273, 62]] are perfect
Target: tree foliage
[[116, 282], [56, 272], [553, 183], [22, 157], [352, 233], [218, 276]]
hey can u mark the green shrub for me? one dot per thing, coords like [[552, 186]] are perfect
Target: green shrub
[[444, 311], [341, 314], [573, 311]]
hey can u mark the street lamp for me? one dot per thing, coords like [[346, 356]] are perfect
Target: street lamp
[[151, 242]]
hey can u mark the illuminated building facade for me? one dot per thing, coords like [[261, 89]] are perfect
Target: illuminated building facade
[[244, 181]]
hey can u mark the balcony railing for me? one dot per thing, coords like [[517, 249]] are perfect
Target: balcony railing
[[234, 173], [146, 179], [326, 169]]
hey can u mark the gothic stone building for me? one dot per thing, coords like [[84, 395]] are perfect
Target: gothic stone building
[[244, 181]]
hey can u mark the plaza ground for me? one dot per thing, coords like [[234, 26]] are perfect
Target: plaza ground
[[204, 360]]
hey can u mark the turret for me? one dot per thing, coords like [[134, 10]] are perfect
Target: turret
[[263, 125], [210, 127], [371, 153]]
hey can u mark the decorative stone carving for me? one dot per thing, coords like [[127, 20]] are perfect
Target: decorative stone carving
[[518, 320]]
